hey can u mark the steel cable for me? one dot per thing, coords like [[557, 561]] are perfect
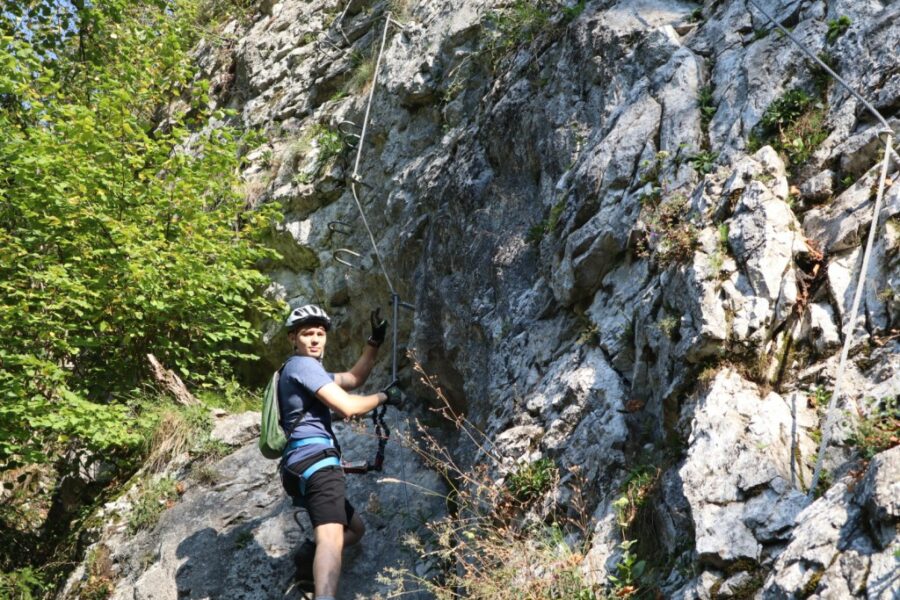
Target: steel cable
[[850, 324]]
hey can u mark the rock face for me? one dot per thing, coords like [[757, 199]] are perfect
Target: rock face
[[831, 555], [740, 476], [232, 532], [605, 249]]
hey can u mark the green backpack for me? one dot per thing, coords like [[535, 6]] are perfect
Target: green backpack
[[272, 439], [271, 436]]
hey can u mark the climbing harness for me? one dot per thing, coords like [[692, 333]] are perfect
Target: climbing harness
[[850, 324]]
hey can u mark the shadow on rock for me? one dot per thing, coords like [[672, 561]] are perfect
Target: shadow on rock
[[231, 566]]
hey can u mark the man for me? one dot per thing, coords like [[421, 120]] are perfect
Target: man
[[310, 467]]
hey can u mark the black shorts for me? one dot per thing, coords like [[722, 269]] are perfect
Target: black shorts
[[324, 499]]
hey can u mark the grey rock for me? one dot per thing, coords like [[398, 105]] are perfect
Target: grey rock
[[818, 187], [831, 551], [738, 585], [820, 329], [738, 466], [234, 539], [236, 430], [843, 224], [879, 495]]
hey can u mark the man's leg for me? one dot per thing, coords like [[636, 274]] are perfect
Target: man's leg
[[355, 531], [327, 565]]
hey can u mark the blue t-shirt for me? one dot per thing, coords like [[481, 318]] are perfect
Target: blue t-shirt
[[301, 378]]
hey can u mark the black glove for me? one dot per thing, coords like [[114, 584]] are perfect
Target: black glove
[[394, 394], [379, 329]]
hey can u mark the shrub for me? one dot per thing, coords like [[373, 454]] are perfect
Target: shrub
[[794, 125], [120, 229], [22, 584]]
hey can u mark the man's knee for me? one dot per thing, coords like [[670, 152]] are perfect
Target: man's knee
[[330, 534]]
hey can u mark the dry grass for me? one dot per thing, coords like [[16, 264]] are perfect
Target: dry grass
[[176, 433], [505, 538]]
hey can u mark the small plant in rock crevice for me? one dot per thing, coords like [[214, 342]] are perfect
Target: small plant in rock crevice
[[707, 107], [668, 325], [98, 583], [362, 74], [153, 499], [837, 28], [632, 511], [670, 237], [520, 23], [330, 145], [703, 162], [717, 258], [794, 125], [532, 480], [879, 430], [537, 232]]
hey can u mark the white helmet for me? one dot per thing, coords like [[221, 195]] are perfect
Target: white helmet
[[306, 315]]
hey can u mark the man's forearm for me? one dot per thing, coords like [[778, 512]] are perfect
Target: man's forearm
[[363, 368]]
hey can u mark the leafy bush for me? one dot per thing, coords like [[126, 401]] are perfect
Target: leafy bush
[[22, 584], [785, 110], [120, 229]]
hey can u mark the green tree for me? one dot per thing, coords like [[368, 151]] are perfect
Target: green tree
[[121, 232]]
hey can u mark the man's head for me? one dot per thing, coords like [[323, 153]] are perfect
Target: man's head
[[308, 330]]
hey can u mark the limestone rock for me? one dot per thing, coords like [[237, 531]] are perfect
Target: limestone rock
[[738, 470], [832, 553], [236, 430]]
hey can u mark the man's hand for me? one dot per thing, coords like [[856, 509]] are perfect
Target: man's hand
[[394, 394], [379, 328]]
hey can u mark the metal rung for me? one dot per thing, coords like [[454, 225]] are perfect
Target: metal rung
[[347, 127], [320, 44], [341, 251], [397, 23], [340, 227]]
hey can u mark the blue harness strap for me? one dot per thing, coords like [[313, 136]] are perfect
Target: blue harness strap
[[310, 441], [330, 461]]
